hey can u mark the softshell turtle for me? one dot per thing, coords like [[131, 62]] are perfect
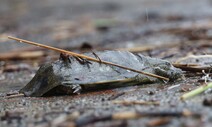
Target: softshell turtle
[[70, 74]]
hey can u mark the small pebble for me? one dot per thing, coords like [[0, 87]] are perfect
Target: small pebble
[[151, 92]]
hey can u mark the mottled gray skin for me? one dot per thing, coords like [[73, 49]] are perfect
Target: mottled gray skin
[[70, 76]]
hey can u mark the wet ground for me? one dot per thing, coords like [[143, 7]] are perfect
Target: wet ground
[[164, 29]]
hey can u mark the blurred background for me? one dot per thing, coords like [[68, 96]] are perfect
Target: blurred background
[[103, 24]]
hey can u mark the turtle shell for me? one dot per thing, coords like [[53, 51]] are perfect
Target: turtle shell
[[72, 75]]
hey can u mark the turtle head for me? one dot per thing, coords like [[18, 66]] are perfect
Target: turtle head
[[166, 69]]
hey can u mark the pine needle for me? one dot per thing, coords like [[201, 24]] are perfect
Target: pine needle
[[86, 57]]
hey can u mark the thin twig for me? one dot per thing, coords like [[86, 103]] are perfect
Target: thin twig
[[86, 57], [15, 95]]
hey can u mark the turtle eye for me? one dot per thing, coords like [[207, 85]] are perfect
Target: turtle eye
[[164, 67], [168, 64]]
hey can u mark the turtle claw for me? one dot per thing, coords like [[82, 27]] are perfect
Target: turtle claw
[[76, 88]]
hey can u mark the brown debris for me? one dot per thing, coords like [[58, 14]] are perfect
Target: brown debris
[[158, 122], [67, 124], [185, 88], [16, 67], [15, 95], [196, 59], [114, 96], [148, 47], [12, 93], [195, 63], [9, 115], [21, 55], [59, 121], [126, 115], [65, 120], [84, 120], [135, 115], [125, 102], [192, 67]]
